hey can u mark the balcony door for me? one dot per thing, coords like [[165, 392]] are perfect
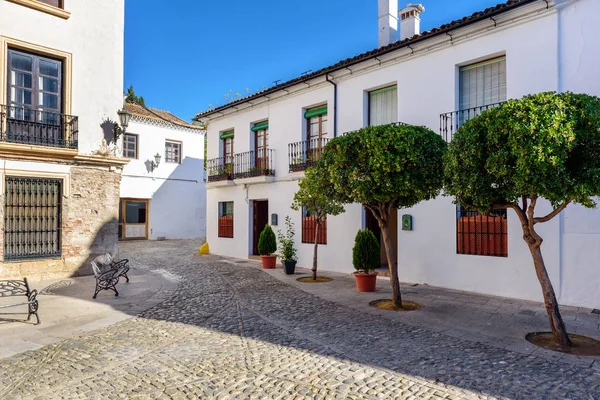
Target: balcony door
[[34, 99], [261, 146], [317, 131]]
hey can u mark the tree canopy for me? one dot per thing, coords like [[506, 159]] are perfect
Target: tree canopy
[[131, 97], [546, 144], [399, 165], [315, 194]]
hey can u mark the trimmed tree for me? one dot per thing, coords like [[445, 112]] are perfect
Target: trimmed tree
[[366, 251], [315, 195], [385, 168], [267, 243], [541, 146]]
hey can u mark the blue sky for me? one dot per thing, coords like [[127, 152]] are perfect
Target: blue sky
[[183, 55]]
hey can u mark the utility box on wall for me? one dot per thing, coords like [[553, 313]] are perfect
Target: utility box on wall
[[407, 224], [274, 219]]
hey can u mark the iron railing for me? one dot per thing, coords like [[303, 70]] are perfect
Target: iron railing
[[482, 235], [302, 155], [451, 121], [36, 127], [254, 163], [220, 169], [32, 218]]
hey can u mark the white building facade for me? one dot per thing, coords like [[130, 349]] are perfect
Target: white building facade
[[162, 190], [258, 147], [61, 84]]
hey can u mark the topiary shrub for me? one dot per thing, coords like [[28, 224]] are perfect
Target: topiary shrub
[[267, 243], [366, 251]]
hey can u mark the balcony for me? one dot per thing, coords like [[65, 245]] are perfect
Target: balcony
[[219, 169], [256, 163], [451, 121], [305, 154], [40, 128]]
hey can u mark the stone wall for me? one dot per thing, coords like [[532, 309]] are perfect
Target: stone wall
[[89, 227]]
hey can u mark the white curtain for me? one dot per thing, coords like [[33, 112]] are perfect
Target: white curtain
[[383, 106]]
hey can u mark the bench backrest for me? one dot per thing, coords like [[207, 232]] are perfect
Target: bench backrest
[[14, 288], [101, 264]]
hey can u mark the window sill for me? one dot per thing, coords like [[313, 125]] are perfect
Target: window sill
[[43, 7]]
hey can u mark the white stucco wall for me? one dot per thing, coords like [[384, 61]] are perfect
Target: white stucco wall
[[176, 191], [546, 50], [94, 36]]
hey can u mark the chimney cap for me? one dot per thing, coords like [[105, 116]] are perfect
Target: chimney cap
[[419, 8]]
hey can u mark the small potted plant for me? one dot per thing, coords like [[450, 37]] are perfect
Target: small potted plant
[[365, 258], [267, 245], [286, 247]]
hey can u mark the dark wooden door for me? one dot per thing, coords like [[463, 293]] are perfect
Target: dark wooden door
[[372, 225], [260, 219]]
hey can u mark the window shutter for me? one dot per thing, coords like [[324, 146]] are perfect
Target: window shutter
[[383, 106], [482, 84]]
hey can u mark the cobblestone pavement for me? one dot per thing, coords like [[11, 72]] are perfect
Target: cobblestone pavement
[[233, 332]]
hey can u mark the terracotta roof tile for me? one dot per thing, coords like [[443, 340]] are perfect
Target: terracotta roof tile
[[158, 115], [467, 20]]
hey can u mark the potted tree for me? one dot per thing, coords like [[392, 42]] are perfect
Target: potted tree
[[286, 247], [267, 245], [365, 258]]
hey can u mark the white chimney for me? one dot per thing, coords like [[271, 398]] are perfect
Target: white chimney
[[410, 22], [388, 22]]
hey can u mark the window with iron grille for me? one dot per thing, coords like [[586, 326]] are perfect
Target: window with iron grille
[[32, 218], [226, 219], [130, 145], [173, 152], [309, 228], [481, 235]]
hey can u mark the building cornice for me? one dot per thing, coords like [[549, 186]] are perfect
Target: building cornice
[[164, 124]]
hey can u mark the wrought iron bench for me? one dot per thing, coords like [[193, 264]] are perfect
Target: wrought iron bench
[[12, 288], [108, 272]]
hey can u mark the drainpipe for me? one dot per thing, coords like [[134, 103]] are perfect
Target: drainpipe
[[334, 105]]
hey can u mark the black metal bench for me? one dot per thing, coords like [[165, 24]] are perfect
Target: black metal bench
[[12, 288], [108, 272]]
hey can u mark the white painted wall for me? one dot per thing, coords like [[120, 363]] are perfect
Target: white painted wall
[[94, 36], [176, 192], [546, 50]]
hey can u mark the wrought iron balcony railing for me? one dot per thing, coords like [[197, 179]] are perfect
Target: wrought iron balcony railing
[[302, 155], [254, 163], [451, 121], [220, 169], [43, 128]]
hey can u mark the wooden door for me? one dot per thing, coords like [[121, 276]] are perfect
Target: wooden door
[[260, 218]]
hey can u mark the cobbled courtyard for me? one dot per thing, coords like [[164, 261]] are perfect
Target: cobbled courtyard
[[234, 332]]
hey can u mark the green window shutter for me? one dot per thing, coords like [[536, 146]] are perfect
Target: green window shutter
[[315, 112], [260, 126], [227, 135]]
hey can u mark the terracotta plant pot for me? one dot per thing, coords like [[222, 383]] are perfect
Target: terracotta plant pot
[[366, 282], [269, 262], [289, 267]]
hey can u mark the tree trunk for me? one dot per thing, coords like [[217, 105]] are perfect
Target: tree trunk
[[392, 265], [557, 325], [314, 267]]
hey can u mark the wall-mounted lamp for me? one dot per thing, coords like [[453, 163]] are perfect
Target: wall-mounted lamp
[[154, 164], [124, 117]]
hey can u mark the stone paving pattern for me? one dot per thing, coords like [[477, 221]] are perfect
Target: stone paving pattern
[[234, 332]]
